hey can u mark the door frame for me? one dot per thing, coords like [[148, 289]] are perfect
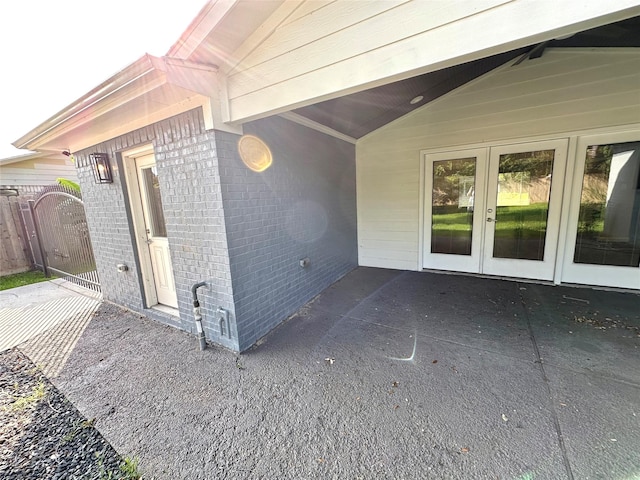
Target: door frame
[[150, 297], [535, 270], [440, 261], [616, 276], [485, 151]]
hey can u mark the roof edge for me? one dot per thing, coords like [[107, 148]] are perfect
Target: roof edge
[[144, 65], [213, 12]]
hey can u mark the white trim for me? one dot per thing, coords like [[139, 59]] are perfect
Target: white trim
[[207, 19], [564, 212], [618, 129], [299, 119], [256, 38], [138, 151], [463, 263], [538, 270], [135, 203], [421, 210], [614, 276]]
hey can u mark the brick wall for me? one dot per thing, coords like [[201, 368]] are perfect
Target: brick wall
[[302, 206], [242, 232], [189, 184]]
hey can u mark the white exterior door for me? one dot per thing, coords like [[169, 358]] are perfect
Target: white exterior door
[[522, 209], [156, 231], [453, 227], [495, 210]]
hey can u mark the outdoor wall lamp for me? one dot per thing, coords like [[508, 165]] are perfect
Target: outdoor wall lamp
[[254, 153], [101, 167]]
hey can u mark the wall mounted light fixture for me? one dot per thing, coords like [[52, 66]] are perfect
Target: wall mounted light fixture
[[101, 167], [254, 153]]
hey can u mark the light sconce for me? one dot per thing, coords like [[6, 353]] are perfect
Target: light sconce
[[101, 167], [255, 154]]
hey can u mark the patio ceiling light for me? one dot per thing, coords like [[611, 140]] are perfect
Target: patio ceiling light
[[255, 154], [101, 167], [417, 99]]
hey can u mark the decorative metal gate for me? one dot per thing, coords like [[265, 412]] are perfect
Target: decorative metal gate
[[60, 225]]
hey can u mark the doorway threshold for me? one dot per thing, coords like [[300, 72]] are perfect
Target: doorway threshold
[[166, 309]]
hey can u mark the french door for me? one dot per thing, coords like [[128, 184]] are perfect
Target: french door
[[495, 210]]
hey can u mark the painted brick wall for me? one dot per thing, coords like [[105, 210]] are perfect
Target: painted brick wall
[[189, 184], [302, 206]]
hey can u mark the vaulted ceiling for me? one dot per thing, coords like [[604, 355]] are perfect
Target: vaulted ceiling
[[360, 113]]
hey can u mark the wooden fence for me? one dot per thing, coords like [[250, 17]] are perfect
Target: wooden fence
[[15, 252]]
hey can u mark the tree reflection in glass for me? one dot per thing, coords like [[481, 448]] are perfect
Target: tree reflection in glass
[[453, 198], [609, 219]]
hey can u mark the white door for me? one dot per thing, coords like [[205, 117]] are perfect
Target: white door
[[522, 209], [498, 217], [453, 225], [156, 231]]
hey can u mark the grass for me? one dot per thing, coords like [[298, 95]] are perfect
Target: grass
[[522, 221], [37, 393], [21, 279], [128, 470]]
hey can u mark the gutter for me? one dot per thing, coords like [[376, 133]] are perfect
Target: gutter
[[138, 69], [143, 68]]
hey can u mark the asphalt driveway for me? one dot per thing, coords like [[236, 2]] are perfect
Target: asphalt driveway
[[385, 375]]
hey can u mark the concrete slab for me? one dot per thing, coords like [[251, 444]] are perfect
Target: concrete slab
[[486, 314], [588, 331], [384, 375], [600, 421], [28, 311]]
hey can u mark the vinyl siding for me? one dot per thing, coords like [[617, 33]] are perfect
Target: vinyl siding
[[37, 172], [563, 91]]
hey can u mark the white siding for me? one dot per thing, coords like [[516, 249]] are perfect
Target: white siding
[[37, 172], [326, 49], [564, 91]]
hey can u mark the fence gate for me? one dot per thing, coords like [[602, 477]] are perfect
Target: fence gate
[[60, 225]]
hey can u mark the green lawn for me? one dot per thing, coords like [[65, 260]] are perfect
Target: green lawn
[[20, 279], [521, 221]]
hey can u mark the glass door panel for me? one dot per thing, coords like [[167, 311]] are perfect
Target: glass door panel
[[523, 209], [452, 206], [454, 184], [151, 187], [608, 231], [603, 240], [522, 204]]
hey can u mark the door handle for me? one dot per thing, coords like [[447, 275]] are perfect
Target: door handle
[[489, 219]]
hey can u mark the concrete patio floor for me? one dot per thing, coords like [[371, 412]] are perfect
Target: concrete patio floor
[[385, 375]]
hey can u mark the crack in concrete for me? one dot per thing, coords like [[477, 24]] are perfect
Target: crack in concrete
[[554, 414]]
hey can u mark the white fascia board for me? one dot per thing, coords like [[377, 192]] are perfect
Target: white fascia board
[[137, 70], [210, 16], [141, 78]]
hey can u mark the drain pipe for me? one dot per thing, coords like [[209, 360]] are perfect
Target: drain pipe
[[197, 314]]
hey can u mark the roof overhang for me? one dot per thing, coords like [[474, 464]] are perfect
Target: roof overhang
[[221, 27], [149, 90], [31, 156]]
